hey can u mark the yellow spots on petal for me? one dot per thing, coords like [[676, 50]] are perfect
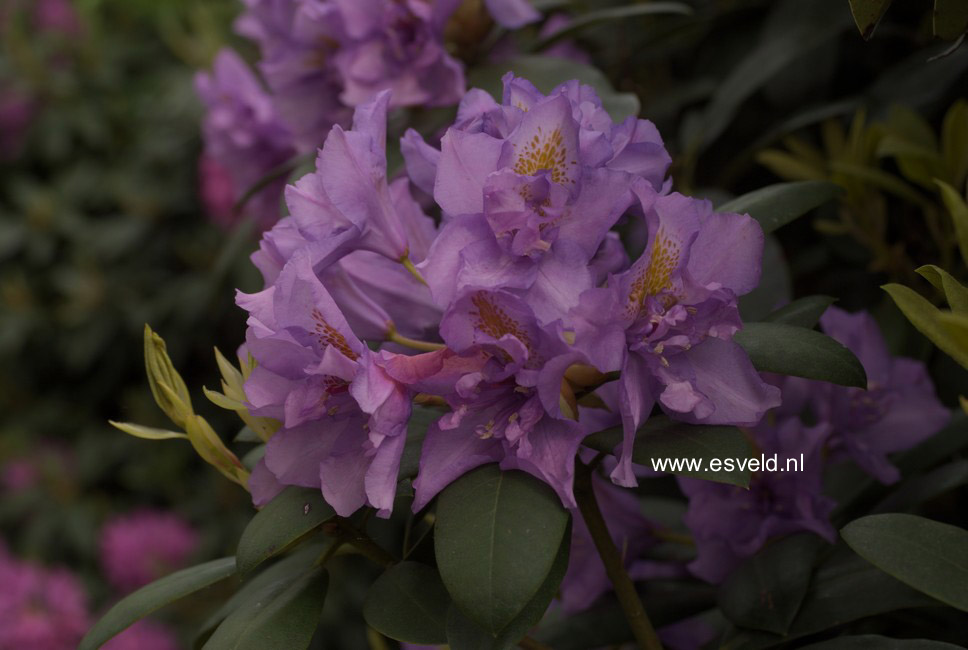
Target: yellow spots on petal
[[495, 322], [329, 335], [656, 277], [545, 151]]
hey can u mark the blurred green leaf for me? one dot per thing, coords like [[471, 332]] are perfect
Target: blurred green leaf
[[408, 603], [661, 437], [777, 205], [928, 555], [958, 209], [149, 598], [950, 18], [496, 539], [867, 14], [284, 520], [583, 21], [803, 312], [927, 319], [800, 352]]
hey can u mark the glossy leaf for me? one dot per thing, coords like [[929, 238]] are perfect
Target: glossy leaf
[[496, 539], [547, 72], [285, 616], [927, 319], [804, 312], [154, 596], [420, 420], [800, 352], [285, 519], [661, 437], [765, 591], [928, 555], [777, 205], [867, 14], [408, 603]]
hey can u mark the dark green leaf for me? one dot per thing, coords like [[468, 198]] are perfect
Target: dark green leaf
[[800, 352], [775, 287], [867, 14], [928, 555], [420, 421], [950, 18], [876, 642], [918, 489], [547, 72], [285, 616], [151, 597], [408, 603], [661, 438], [765, 591], [496, 538], [464, 633], [285, 519], [805, 312], [777, 205], [583, 21]]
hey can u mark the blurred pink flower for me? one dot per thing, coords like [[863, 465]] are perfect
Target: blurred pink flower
[[144, 635], [217, 190], [140, 547]]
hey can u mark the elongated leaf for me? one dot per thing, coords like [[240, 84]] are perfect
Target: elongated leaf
[[154, 596], [958, 210], [800, 352], [661, 438], [547, 72], [464, 633], [927, 319], [285, 616], [420, 420], [804, 312], [496, 539], [950, 18], [777, 205], [955, 293], [408, 603], [288, 517], [867, 14], [765, 592], [876, 642], [584, 21], [775, 287], [148, 433], [928, 555], [918, 489]]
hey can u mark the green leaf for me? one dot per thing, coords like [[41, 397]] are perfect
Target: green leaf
[[284, 520], [955, 292], [804, 312], [766, 590], [928, 555], [148, 433], [463, 633], [927, 319], [420, 420], [775, 287], [151, 597], [285, 616], [408, 603], [777, 205], [662, 438], [546, 72], [876, 642], [958, 209], [800, 352], [583, 21], [916, 490], [950, 18], [867, 14], [496, 538]]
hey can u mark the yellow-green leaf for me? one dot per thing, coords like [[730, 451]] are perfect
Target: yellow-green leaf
[[927, 319], [867, 14], [959, 215], [148, 433], [955, 292]]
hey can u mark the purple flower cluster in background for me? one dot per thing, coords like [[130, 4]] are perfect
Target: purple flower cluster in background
[[319, 60], [142, 546]]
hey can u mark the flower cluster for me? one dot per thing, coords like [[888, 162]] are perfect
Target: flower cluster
[[516, 295], [319, 59], [142, 546]]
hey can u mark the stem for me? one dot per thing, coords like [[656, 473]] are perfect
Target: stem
[[628, 598], [366, 546], [426, 346], [407, 264]]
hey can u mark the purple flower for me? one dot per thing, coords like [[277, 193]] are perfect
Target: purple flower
[[142, 546], [243, 133], [40, 608], [730, 523], [898, 410], [217, 191], [144, 635], [16, 111], [666, 323], [344, 418]]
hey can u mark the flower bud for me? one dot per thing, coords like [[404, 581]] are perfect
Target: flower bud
[[167, 386]]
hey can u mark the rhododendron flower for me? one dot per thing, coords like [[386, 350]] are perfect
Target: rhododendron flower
[[144, 635], [666, 323], [243, 133], [40, 608], [730, 523], [344, 419], [142, 546]]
